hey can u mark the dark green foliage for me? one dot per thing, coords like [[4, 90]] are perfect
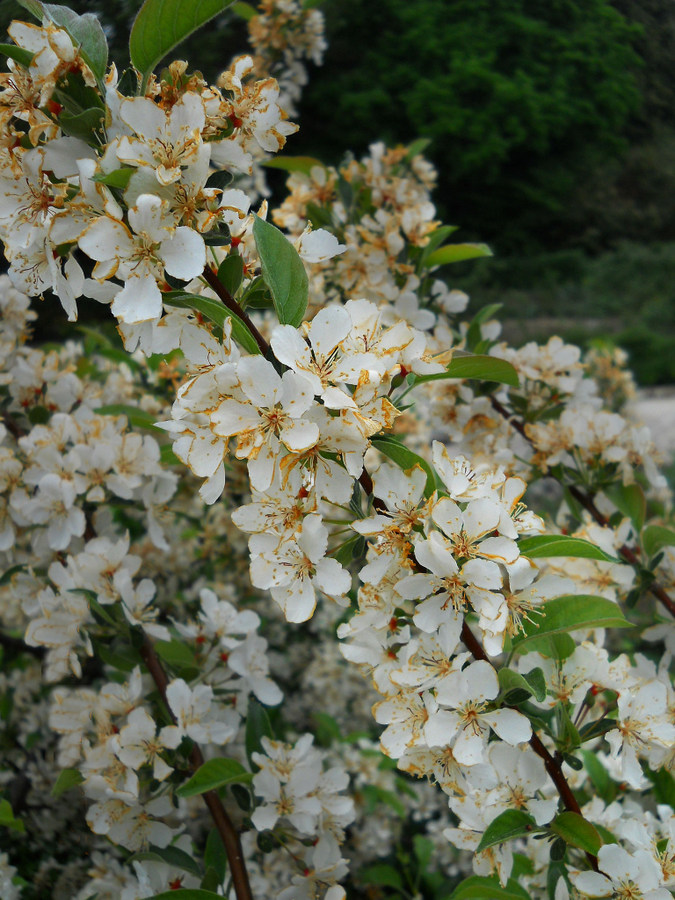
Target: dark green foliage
[[518, 97]]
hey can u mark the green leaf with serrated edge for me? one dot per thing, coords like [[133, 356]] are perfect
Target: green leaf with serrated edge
[[479, 888], [656, 537], [163, 24], [569, 613], [577, 831], [258, 726], [139, 418], [381, 875], [540, 546], [231, 273], [216, 312], [510, 824], [68, 778], [85, 31], [7, 817], [302, 164], [244, 10], [454, 253], [187, 894], [483, 368], [18, 54], [118, 178], [214, 774], [174, 856], [404, 458], [630, 500], [176, 653], [283, 271]]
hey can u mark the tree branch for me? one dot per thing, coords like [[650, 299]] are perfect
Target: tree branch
[[216, 285], [586, 501], [228, 833], [553, 768]]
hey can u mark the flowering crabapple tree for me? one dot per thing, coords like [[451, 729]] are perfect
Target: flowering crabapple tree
[[279, 618]]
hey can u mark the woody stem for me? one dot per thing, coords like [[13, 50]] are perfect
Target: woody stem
[[586, 501], [228, 833]]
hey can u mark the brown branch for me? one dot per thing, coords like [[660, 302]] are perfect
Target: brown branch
[[553, 768], [586, 501], [228, 833], [216, 285]]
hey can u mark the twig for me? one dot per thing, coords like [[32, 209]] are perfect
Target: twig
[[216, 285], [226, 830], [586, 501], [553, 768]]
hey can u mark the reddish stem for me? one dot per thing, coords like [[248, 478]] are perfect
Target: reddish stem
[[228, 300], [228, 833], [586, 501]]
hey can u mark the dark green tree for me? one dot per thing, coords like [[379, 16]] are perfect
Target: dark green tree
[[519, 97]]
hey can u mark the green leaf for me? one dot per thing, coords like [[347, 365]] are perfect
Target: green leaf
[[406, 459], [85, 31], [453, 253], [118, 178], [137, 418], [214, 774], [82, 124], [597, 773], [283, 271], [68, 778], [244, 10], [545, 545], [174, 856], [479, 888], [630, 500], [7, 817], [382, 875], [512, 823], [187, 894], [484, 368], [8, 574], [19, 54], [515, 687], [231, 273], [553, 646], [258, 726], [215, 856], [176, 653], [655, 537], [664, 786], [162, 24], [216, 312], [577, 831], [417, 147], [302, 164], [568, 613], [424, 850]]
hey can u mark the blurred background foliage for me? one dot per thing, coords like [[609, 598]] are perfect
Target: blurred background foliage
[[551, 127]]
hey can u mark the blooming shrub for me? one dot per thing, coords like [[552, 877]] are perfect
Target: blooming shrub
[[302, 466]]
